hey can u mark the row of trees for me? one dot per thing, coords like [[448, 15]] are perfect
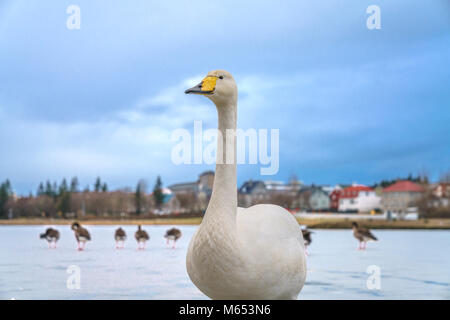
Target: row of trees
[[140, 196], [53, 190], [66, 200], [5, 195]]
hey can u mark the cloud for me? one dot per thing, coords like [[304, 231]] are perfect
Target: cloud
[[104, 100], [123, 146]]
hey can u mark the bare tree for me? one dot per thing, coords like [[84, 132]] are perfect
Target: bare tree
[[445, 177]]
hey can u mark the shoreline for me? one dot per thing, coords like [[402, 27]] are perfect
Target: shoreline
[[313, 223], [106, 222]]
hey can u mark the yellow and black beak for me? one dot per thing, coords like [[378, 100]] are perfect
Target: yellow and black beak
[[207, 86]]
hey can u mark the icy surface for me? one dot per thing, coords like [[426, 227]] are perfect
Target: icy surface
[[412, 264]]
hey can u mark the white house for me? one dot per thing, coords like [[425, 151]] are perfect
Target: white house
[[359, 198]]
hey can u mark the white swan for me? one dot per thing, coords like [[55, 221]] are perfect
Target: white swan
[[237, 253]]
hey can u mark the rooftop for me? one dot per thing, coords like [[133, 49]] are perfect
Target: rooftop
[[353, 191], [404, 186]]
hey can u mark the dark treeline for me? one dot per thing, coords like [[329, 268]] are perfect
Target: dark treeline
[[67, 200], [5, 196], [422, 179]]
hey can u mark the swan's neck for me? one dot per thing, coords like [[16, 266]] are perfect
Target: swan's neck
[[223, 203]]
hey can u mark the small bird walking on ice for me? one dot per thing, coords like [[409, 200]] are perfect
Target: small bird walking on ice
[[120, 236], [51, 235], [307, 238], [172, 234], [363, 235], [141, 237], [81, 234]]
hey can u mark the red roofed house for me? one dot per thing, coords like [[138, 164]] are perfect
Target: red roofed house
[[358, 198], [334, 199], [400, 196]]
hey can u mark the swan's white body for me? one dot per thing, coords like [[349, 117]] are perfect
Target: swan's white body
[[237, 253]]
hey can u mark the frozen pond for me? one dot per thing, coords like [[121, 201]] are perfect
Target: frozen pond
[[412, 265]]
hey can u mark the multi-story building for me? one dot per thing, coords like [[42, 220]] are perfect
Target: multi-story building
[[401, 196], [198, 191], [203, 184]]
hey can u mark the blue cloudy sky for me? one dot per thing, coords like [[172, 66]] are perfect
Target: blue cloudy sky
[[352, 104]]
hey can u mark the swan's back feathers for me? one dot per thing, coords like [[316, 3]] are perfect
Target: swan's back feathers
[[270, 233], [268, 220]]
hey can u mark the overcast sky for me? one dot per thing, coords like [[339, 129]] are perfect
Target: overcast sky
[[352, 104]]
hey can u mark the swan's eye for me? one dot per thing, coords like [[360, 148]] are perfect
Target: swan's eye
[[220, 77]]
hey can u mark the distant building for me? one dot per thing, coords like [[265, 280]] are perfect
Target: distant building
[[441, 192], [358, 198], [401, 196], [186, 187], [206, 180], [333, 193], [204, 185], [334, 199], [313, 199], [329, 189], [170, 203], [295, 184], [199, 191], [254, 192]]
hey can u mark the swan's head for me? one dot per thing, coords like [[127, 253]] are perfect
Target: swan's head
[[218, 85]]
